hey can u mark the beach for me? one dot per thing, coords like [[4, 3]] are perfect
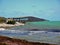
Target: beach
[[4, 25], [13, 41], [33, 36], [43, 32]]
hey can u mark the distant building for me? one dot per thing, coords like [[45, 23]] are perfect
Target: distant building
[[26, 19]]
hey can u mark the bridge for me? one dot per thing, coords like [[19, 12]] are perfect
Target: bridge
[[27, 19]]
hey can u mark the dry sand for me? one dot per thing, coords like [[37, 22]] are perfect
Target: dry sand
[[4, 25]]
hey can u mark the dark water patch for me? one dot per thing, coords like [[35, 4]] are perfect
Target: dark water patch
[[54, 30], [33, 29]]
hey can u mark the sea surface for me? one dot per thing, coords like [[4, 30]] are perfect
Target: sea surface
[[37, 26], [35, 36], [45, 32]]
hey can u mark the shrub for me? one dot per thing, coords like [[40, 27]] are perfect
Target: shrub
[[2, 19], [11, 22]]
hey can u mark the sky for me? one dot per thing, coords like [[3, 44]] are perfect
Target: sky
[[46, 9]]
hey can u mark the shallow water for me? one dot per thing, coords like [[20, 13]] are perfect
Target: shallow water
[[44, 25]]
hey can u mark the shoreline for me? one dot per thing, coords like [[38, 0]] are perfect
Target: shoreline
[[14, 41], [7, 26]]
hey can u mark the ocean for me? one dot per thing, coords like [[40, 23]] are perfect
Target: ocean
[[34, 36], [45, 31], [44, 25]]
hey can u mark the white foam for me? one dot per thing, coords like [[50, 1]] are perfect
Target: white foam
[[2, 29], [35, 32]]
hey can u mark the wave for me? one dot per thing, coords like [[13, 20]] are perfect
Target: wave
[[27, 32]]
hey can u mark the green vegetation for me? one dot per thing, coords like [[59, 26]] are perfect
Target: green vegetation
[[11, 22], [2, 19]]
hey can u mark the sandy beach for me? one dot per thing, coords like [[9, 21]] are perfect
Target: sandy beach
[[4, 25], [13, 41]]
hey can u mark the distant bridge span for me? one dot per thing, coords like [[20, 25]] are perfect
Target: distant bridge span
[[27, 19]]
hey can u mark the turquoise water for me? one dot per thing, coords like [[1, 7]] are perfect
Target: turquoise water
[[37, 36], [44, 25]]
